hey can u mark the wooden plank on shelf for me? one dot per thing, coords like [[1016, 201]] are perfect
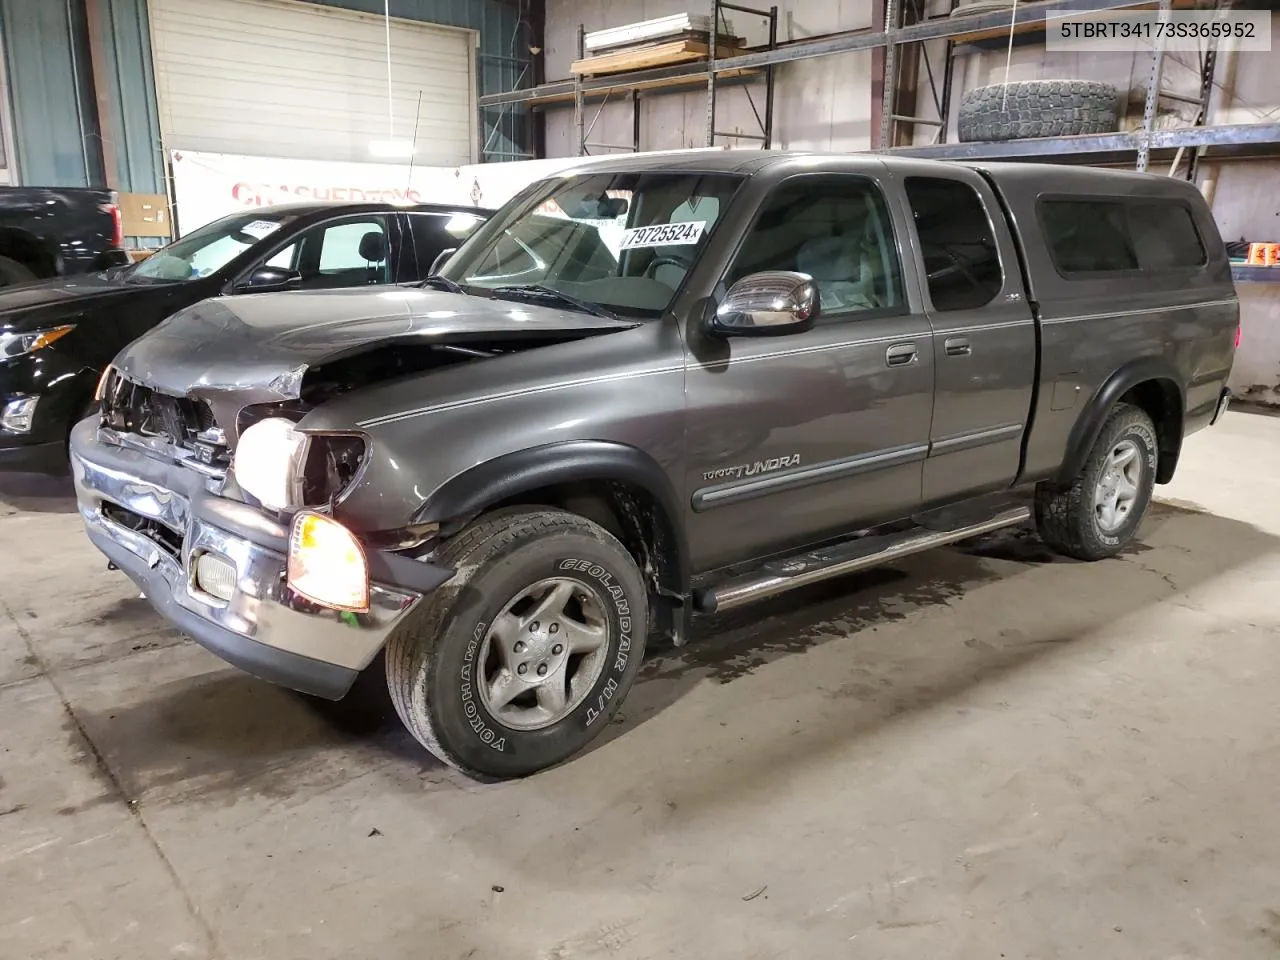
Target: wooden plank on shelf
[[697, 80], [666, 54]]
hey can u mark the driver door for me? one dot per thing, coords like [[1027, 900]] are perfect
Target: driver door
[[797, 438]]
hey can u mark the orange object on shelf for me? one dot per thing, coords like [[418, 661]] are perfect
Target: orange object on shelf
[[1264, 254]]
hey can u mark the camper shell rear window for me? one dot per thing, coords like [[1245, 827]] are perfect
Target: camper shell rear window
[[1093, 236]]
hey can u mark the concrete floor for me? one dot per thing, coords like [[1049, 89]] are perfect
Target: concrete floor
[[982, 752]]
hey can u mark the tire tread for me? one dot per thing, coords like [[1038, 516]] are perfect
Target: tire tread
[[481, 542], [1038, 108], [1063, 514]]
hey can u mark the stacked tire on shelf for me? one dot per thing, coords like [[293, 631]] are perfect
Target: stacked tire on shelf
[[1034, 108]]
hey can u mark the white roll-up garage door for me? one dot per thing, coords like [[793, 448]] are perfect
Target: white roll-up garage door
[[281, 78]]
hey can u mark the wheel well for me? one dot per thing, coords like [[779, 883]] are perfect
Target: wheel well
[[639, 521], [1162, 402], [27, 250]]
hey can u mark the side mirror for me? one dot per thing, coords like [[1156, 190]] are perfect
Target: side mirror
[[769, 304], [441, 259], [266, 278]]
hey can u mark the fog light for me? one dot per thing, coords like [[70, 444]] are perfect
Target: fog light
[[327, 564], [216, 576], [18, 414]]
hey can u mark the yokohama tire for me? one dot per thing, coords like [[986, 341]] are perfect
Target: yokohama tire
[[1067, 518], [1038, 108], [434, 663]]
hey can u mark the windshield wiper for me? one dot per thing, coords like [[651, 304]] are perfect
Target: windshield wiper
[[551, 293], [442, 283]]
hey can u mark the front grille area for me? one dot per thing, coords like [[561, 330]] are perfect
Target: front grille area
[[157, 533], [135, 408]]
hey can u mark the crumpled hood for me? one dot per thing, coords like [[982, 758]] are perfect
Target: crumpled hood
[[259, 346]]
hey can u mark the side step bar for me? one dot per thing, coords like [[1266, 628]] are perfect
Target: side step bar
[[789, 574]]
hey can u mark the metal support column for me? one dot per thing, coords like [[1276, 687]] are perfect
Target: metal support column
[[768, 80], [948, 81], [1208, 68], [890, 73], [713, 38], [635, 121], [579, 102], [1153, 93]]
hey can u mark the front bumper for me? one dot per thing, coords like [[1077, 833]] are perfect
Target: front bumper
[[153, 519]]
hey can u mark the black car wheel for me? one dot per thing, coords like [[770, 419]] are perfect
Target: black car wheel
[[520, 660], [12, 272], [1100, 511]]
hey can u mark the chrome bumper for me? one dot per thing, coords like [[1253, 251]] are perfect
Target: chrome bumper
[[264, 628]]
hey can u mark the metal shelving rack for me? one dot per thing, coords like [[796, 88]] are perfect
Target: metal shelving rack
[[658, 82], [905, 27]]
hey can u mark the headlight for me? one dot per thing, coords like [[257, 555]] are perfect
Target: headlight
[[16, 344], [327, 563], [268, 462]]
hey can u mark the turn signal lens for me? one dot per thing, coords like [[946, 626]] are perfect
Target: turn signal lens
[[327, 564], [46, 337], [1237, 336]]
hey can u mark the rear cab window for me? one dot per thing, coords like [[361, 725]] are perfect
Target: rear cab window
[[961, 257], [1089, 236]]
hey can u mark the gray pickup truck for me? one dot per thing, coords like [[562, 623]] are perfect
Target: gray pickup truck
[[648, 389]]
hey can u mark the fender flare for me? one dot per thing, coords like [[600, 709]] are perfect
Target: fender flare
[[476, 488], [1089, 425]]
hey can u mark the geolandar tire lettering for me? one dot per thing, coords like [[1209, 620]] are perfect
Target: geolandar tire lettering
[[447, 670], [1098, 514]]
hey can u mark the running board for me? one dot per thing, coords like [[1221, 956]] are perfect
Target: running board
[[871, 551]]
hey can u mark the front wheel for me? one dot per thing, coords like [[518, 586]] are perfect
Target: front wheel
[[520, 660], [1098, 514]]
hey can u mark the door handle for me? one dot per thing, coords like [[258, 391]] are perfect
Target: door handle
[[957, 347], [900, 354]]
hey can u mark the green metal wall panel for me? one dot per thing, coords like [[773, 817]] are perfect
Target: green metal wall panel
[[46, 49], [52, 93], [133, 122]]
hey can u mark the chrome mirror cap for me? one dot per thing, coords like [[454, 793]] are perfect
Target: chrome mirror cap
[[769, 304]]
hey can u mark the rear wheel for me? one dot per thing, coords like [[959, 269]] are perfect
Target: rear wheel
[[1098, 514], [520, 660]]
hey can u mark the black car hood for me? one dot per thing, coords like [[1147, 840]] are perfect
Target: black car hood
[[257, 347], [27, 305]]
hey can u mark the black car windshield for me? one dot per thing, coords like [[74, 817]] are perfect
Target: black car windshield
[[622, 241], [208, 249]]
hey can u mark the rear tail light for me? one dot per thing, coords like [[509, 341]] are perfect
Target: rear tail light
[[117, 223], [1237, 344]]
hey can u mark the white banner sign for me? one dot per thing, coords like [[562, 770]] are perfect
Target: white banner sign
[[207, 186]]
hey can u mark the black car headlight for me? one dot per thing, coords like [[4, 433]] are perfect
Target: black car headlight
[[16, 344]]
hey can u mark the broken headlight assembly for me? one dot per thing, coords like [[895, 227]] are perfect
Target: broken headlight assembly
[[285, 468]]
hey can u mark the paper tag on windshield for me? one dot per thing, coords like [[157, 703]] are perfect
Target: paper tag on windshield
[[664, 235], [260, 228]]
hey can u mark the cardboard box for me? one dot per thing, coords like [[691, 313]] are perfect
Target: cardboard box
[[145, 215]]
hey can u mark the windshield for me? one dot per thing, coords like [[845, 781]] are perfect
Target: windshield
[[622, 241], [210, 248]]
